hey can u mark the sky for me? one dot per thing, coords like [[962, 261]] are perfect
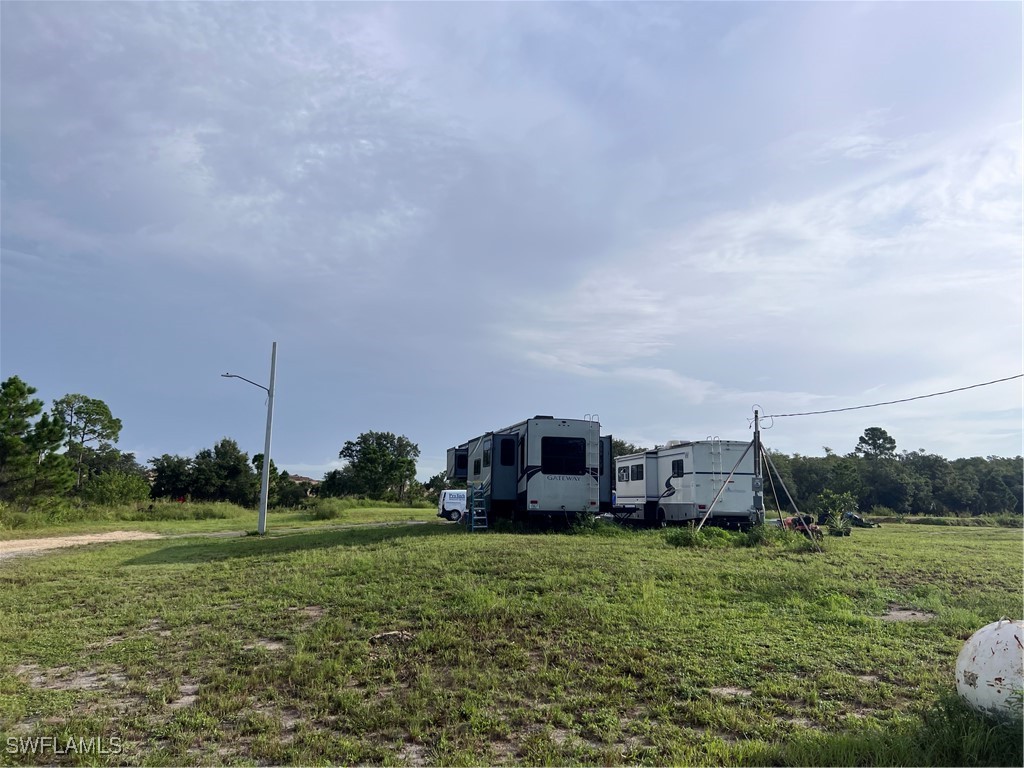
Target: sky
[[452, 217]]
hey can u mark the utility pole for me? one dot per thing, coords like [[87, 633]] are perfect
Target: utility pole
[[261, 525], [758, 479]]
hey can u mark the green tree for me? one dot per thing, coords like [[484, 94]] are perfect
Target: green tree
[[439, 482], [99, 461], [224, 474], [774, 494], [30, 466], [283, 491], [339, 482], [996, 496], [86, 420], [622, 448], [384, 464], [876, 443], [172, 476]]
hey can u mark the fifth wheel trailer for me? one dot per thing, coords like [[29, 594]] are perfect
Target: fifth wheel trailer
[[677, 482], [540, 467]]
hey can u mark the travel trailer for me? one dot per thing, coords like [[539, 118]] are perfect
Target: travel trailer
[[677, 483], [541, 467]]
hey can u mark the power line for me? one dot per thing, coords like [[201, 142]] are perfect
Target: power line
[[892, 402]]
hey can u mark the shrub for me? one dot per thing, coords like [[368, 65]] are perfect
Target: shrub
[[111, 488], [327, 509], [705, 538], [838, 525], [774, 536]]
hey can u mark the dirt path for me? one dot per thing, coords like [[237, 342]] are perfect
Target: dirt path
[[15, 547], [29, 546]]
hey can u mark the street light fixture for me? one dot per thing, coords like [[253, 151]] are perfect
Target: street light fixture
[[265, 480]]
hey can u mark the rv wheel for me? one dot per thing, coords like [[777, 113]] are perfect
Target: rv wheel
[[662, 523]]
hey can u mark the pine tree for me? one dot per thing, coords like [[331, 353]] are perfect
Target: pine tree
[[30, 467]]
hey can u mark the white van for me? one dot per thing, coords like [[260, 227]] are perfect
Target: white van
[[452, 505]]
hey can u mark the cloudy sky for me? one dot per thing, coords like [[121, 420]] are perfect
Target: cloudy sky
[[452, 217]]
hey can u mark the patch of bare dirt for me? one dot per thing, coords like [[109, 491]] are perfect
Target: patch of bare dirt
[[311, 613], [728, 738], [395, 636], [63, 679], [895, 613], [730, 691], [188, 694], [560, 735], [157, 627], [15, 547], [801, 722], [263, 642], [868, 678], [503, 750], [413, 754]]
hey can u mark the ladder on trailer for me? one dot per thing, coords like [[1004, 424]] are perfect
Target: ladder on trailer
[[594, 464], [716, 462], [477, 517]]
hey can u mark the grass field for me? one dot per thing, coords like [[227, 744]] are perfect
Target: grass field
[[169, 518], [428, 645]]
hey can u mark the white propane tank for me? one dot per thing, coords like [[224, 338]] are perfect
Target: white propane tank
[[990, 669]]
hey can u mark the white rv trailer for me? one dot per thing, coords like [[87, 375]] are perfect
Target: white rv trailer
[[539, 467], [677, 482]]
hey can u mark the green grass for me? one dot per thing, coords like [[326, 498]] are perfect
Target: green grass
[[429, 645], [171, 518]]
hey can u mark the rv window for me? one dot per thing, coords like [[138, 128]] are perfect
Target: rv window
[[677, 468], [487, 457], [636, 472], [600, 461], [476, 467], [461, 460], [563, 455], [508, 452], [522, 454], [623, 474]]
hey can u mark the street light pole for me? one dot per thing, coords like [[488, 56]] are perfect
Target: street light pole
[[265, 479]]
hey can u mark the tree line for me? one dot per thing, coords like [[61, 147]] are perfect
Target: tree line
[[70, 452]]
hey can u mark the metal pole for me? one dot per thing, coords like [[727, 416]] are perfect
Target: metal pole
[[265, 482], [758, 479]]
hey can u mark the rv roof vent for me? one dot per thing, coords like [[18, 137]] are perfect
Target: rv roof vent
[[543, 417], [673, 443]]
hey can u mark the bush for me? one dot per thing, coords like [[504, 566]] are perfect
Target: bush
[[705, 538], [838, 525], [13, 518], [774, 536], [112, 488], [326, 509]]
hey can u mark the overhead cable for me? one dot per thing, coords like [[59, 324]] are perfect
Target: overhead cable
[[893, 402]]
